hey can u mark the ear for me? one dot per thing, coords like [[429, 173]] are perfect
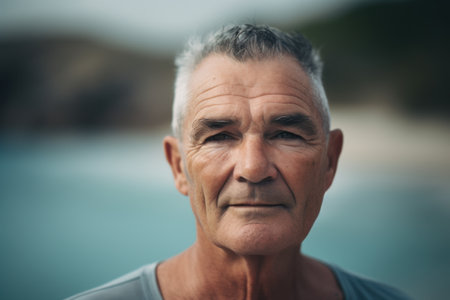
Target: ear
[[335, 141], [174, 158]]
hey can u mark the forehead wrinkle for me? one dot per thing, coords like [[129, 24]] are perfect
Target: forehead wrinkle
[[299, 86], [200, 101], [252, 97], [207, 89], [244, 90], [203, 104], [224, 88]]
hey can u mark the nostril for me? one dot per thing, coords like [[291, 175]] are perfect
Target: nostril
[[264, 180], [241, 179]]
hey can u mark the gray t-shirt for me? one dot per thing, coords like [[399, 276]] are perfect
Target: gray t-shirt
[[141, 284]]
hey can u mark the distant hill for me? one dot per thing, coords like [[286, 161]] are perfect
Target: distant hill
[[393, 52], [71, 83]]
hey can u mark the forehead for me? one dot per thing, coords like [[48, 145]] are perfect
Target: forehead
[[220, 81], [222, 73]]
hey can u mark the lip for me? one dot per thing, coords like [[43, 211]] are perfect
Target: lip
[[256, 205]]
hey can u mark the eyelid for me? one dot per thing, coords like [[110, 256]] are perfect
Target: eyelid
[[217, 137], [292, 134]]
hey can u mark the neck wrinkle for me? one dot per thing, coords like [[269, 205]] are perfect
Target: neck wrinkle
[[244, 277]]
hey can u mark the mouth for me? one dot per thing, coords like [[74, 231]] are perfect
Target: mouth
[[255, 210], [256, 205]]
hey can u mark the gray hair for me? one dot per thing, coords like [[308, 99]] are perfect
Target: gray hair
[[244, 42]]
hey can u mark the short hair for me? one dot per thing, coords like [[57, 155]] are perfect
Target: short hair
[[242, 43]]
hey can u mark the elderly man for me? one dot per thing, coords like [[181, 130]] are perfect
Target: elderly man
[[253, 151]]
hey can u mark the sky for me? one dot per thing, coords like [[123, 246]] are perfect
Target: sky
[[159, 25]]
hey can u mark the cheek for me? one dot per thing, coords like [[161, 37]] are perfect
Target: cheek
[[209, 170], [310, 192], [306, 180], [300, 172]]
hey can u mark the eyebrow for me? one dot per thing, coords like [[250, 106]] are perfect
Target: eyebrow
[[200, 126], [298, 120]]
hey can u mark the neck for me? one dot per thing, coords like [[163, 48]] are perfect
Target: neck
[[206, 271], [226, 275], [247, 276]]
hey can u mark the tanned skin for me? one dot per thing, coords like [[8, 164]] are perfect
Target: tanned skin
[[255, 162]]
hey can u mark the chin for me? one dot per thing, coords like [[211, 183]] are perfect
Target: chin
[[258, 239]]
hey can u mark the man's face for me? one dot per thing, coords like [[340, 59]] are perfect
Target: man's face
[[256, 158]]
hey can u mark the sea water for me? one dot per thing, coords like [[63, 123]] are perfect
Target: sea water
[[79, 210]]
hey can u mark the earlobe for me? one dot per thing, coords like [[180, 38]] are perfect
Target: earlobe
[[174, 158], [335, 142]]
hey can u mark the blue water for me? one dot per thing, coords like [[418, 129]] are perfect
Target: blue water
[[77, 211]]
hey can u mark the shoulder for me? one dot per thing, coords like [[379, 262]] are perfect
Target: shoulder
[[357, 287], [137, 285]]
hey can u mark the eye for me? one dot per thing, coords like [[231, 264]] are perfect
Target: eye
[[285, 135], [223, 136]]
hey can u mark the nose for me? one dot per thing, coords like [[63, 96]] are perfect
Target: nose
[[253, 163]]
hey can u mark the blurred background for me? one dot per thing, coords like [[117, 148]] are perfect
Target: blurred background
[[85, 100]]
